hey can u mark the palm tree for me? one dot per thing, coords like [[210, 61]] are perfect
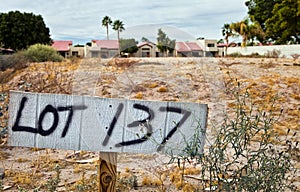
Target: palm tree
[[106, 21], [119, 27], [242, 28], [226, 32]]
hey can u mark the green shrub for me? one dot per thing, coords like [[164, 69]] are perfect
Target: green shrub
[[246, 155], [42, 53]]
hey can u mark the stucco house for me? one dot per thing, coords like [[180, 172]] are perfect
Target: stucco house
[[146, 49], [188, 49], [63, 47], [209, 46], [103, 49], [78, 51]]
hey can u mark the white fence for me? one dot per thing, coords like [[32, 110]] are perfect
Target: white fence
[[283, 50]]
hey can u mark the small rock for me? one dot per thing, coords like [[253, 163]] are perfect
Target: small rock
[[1, 173]]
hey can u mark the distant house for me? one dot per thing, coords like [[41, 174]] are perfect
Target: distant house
[[63, 47], [188, 49], [78, 51], [146, 49], [103, 49], [209, 47]]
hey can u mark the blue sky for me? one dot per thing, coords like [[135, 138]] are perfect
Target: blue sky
[[80, 20]]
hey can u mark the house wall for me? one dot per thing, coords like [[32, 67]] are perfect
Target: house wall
[[65, 54], [189, 54], [92, 52], [100, 53], [142, 52], [209, 47], [284, 50], [77, 51]]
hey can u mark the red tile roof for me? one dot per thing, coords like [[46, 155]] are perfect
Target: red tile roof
[[222, 45], [107, 44], [62, 45], [182, 47], [145, 43], [187, 46], [194, 46]]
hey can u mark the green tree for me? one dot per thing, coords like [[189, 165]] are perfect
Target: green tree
[[171, 45], [260, 10], [20, 30], [144, 39], [128, 46], [278, 19], [106, 21], [164, 43], [284, 24], [256, 32], [119, 27]]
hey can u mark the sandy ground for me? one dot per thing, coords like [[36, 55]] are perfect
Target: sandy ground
[[204, 80]]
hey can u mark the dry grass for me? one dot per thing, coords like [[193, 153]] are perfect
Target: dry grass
[[58, 77]]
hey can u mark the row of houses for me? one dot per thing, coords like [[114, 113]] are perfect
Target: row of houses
[[109, 49]]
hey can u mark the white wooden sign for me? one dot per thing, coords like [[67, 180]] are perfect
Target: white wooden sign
[[102, 124]]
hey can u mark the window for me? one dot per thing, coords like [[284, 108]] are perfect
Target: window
[[145, 54], [210, 45], [75, 53], [95, 54], [113, 53], [195, 54]]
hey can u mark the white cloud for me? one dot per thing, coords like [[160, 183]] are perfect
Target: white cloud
[[81, 20]]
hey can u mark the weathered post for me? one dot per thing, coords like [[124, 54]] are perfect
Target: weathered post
[[107, 171]]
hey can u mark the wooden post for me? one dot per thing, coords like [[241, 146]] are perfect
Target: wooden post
[[107, 171]]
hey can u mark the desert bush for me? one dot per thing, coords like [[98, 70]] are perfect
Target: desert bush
[[42, 53], [16, 61], [245, 155], [236, 54], [52, 183]]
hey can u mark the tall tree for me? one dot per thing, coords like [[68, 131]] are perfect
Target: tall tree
[[284, 25], [20, 30], [226, 32], [279, 19], [164, 43], [256, 33], [261, 10], [128, 46], [106, 21], [145, 39], [119, 27]]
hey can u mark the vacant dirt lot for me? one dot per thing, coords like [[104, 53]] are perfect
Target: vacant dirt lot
[[204, 80]]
